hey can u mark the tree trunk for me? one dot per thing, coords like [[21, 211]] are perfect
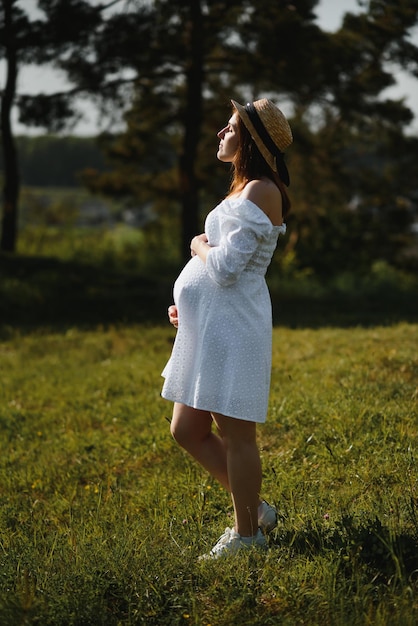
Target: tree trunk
[[189, 185], [11, 171]]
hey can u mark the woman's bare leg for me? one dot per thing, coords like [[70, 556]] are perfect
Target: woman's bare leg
[[243, 469], [192, 429]]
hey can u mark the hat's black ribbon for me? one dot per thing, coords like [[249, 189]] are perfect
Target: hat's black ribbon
[[268, 142]]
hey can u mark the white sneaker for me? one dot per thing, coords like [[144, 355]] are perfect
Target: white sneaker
[[231, 542], [267, 517]]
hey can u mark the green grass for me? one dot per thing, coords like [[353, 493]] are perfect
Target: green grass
[[102, 517]]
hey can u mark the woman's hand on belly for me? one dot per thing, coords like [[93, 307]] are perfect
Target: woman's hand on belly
[[173, 316], [199, 246]]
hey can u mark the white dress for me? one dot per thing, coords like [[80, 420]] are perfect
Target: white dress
[[221, 358]]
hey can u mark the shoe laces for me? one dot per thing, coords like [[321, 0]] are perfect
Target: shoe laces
[[223, 540]]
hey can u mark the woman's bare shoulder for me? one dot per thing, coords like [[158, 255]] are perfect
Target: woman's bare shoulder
[[266, 195]]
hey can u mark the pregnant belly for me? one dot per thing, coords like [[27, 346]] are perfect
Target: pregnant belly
[[192, 283]]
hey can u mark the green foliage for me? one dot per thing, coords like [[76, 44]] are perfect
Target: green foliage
[[57, 223], [67, 274], [353, 197], [102, 517], [53, 161]]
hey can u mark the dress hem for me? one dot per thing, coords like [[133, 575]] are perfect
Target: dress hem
[[201, 407]]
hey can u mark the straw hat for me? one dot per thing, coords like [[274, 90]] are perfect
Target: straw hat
[[270, 130]]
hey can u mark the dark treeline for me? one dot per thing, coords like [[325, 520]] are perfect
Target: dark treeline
[[53, 161]]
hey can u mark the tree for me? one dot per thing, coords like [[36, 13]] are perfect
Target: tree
[[68, 24], [11, 173], [182, 44], [201, 53], [351, 162], [197, 56]]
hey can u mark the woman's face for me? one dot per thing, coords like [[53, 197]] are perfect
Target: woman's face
[[229, 141]]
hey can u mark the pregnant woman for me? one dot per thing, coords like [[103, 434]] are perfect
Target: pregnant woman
[[219, 370]]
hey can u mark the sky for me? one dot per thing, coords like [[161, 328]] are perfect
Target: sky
[[33, 79]]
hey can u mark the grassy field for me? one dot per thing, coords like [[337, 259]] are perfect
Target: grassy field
[[102, 517]]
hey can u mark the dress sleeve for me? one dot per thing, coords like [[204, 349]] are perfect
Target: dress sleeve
[[243, 227]]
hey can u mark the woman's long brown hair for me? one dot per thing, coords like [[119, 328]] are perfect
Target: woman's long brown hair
[[249, 164]]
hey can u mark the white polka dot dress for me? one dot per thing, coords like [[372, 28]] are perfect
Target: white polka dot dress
[[221, 358]]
